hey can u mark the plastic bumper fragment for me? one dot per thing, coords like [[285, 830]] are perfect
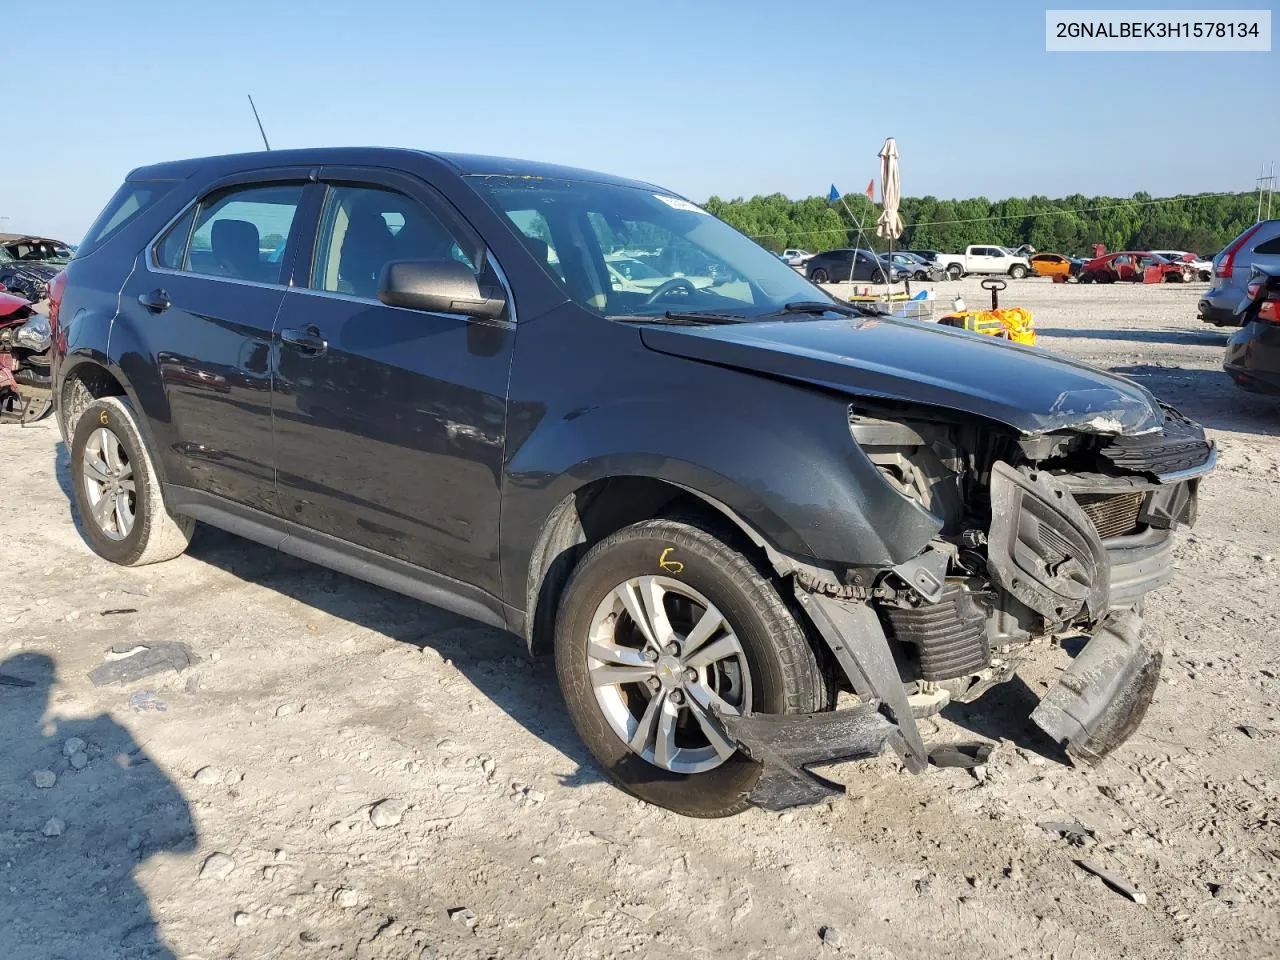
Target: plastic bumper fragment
[[1104, 694], [787, 744]]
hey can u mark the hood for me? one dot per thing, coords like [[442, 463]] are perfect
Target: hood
[[914, 362]]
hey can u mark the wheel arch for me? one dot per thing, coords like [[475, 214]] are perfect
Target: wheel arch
[[601, 507], [90, 375]]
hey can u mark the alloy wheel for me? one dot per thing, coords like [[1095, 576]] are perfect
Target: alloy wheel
[[663, 661], [109, 484]]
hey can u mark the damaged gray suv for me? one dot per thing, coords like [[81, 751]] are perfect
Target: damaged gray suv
[[582, 409]]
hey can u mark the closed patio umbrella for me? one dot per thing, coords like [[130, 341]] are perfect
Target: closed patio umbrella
[[889, 225]]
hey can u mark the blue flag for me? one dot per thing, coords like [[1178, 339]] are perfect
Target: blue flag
[[834, 195]]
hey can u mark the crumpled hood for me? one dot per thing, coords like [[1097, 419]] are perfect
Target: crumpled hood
[[908, 360]]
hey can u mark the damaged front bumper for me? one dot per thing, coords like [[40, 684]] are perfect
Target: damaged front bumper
[[1074, 552]]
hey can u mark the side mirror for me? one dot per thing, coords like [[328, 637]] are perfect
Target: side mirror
[[438, 286]]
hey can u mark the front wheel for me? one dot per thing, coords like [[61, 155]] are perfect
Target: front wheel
[[116, 491], [1017, 271], [663, 626]]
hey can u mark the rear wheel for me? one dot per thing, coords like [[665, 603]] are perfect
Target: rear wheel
[[117, 493], [818, 275], [663, 625], [955, 271]]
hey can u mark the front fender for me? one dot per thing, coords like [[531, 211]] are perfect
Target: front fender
[[780, 456]]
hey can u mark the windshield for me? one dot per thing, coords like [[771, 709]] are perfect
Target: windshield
[[624, 251]]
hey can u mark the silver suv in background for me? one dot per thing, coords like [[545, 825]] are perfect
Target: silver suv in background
[[1259, 245]]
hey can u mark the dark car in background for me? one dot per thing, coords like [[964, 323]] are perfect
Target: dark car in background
[[849, 263], [1253, 352], [717, 503]]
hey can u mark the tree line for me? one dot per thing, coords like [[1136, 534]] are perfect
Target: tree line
[[1203, 223]]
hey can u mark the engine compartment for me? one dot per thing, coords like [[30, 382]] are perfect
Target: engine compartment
[[1038, 537]]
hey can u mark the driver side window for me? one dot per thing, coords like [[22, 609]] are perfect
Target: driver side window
[[643, 259]]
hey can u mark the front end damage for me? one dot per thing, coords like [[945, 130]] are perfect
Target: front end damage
[[1043, 536]]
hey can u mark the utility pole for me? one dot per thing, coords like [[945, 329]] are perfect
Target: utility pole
[[1266, 184]]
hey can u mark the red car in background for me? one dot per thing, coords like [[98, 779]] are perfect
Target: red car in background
[[1135, 266]]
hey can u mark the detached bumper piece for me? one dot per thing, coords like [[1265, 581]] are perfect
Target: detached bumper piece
[[1104, 694], [786, 745]]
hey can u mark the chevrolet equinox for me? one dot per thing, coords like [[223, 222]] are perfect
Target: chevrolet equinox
[[582, 409]]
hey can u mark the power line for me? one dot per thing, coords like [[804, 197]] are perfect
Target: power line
[[1015, 216]]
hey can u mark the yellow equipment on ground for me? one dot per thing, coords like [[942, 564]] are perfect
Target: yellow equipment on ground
[[1011, 323]]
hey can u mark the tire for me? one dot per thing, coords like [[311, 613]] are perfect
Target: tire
[[1084, 278], [152, 534], [920, 275], [955, 271], [818, 275], [1017, 271], [878, 276], [777, 670]]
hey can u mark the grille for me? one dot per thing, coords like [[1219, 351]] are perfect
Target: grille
[[1181, 445], [1113, 514]]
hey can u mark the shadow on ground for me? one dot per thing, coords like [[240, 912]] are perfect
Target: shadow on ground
[[496, 662], [1208, 396], [1191, 338], [1004, 713], [81, 806]]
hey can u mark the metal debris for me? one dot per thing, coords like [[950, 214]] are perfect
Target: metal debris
[[153, 657]]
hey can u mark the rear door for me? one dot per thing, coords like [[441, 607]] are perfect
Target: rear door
[[389, 422], [202, 300]]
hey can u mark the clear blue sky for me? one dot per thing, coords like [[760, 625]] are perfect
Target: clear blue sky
[[701, 96]]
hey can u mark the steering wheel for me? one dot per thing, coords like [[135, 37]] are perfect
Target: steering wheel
[[675, 283]]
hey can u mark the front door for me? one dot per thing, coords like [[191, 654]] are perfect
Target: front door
[[389, 422], [202, 302]]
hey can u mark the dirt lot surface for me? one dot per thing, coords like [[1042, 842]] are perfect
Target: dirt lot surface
[[347, 773]]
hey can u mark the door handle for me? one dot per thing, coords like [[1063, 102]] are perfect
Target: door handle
[[157, 301], [307, 340]]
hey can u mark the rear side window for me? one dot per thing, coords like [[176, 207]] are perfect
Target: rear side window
[[133, 197], [1269, 247], [173, 247], [239, 233]]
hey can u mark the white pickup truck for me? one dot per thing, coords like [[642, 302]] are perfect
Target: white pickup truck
[[983, 259]]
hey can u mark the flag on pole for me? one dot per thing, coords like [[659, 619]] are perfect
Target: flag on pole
[[834, 195], [871, 189]]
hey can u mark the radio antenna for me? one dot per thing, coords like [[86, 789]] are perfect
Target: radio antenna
[[259, 119]]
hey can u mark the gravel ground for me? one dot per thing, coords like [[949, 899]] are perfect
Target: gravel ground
[[348, 773]]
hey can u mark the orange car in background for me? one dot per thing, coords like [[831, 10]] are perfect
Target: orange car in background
[[1051, 265]]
